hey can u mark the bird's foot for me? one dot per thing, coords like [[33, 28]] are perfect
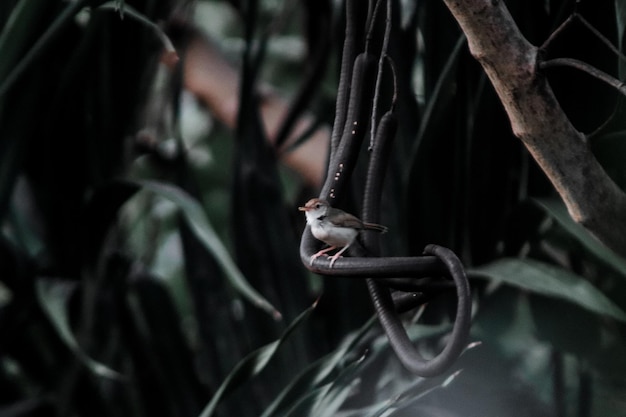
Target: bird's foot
[[314, 257], [320, 253], [333, 259]]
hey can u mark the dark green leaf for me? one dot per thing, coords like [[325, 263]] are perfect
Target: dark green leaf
[[317, 374], [338, 391], [253, 364], [43, 42], [550, 281], [557, 210], [566, 327], [326, 399], [202, 228], [412, 395], [54, 296], [16, 33]]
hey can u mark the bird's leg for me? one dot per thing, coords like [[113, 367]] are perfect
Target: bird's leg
[[338, 255], [320, 253]]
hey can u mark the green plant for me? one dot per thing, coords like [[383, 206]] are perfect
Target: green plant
[[136, 279]]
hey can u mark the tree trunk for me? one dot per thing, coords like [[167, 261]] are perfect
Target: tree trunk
[[511, 63]]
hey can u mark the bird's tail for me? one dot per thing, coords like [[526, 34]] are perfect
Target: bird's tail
[[377, 227]]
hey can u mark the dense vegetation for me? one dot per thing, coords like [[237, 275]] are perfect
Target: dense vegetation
[[143, 262]]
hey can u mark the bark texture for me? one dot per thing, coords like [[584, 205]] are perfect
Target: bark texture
[[537, 119]]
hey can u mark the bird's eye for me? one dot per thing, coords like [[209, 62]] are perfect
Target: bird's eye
[[318, 205]]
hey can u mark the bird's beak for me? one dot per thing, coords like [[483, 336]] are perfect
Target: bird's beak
[[303, 208]]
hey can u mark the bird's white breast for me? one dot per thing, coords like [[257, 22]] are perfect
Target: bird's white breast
[[331, 234]]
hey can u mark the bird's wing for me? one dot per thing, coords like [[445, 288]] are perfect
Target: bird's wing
[[344, 219]]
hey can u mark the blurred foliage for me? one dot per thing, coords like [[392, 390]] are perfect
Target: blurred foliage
[[144, 259]]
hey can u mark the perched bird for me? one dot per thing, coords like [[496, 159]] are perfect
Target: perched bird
[[334, 227]]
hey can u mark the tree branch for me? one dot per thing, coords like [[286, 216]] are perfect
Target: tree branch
[[583, 66], [511, 63]]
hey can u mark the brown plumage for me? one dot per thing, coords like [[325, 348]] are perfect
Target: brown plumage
[[334, 227]]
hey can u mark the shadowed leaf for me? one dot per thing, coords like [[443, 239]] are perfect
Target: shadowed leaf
[[253, 364], [42, 43], [326, 400], [54, 296], [550, 281], [202, 228], [317, 374], [558, 211]]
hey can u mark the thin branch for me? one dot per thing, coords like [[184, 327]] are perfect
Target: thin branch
[[558, 31], [575, 17], [616, 110], [600, 36], [537, 119], [591, 70]]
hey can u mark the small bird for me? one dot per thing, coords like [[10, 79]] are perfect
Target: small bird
[[334, 227]]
